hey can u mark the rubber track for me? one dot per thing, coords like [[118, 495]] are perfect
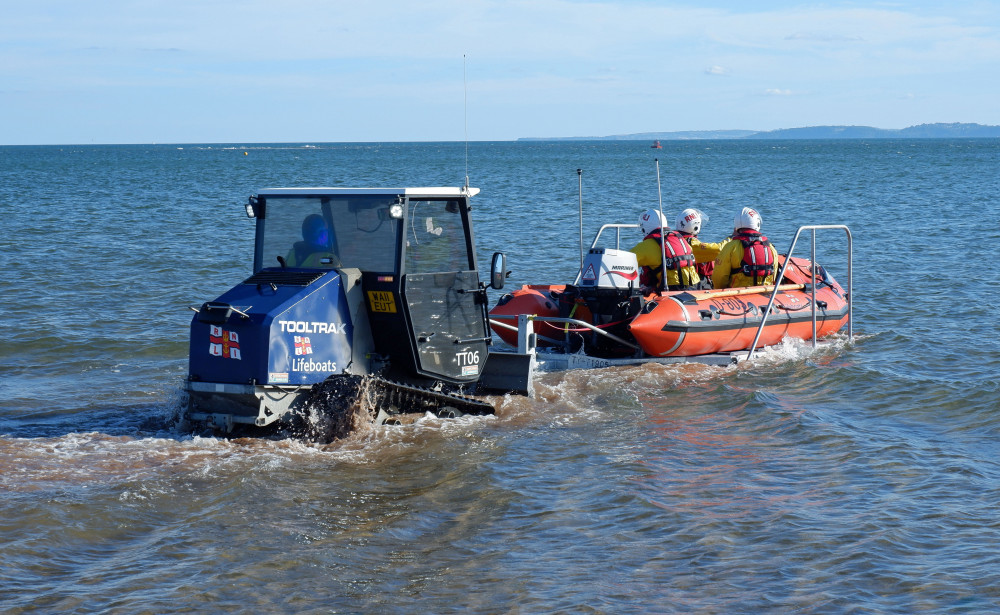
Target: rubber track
[[409, 398]]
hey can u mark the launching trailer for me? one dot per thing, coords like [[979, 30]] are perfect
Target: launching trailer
[[357, 295]]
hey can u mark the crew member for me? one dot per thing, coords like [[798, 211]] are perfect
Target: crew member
[[688, 224], [748, 258], [314, 249], [659, 241]]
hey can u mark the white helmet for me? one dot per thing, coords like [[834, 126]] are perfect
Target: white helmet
[[689, 221], [651, 220], [747, 218]]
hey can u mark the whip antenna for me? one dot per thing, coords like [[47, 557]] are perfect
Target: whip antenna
[[659, 193], [663, 240], [465, 89], [579, 173]]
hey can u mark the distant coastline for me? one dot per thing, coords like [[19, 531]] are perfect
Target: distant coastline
[[922, 131]]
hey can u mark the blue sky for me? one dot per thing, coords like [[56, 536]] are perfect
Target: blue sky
[[182, 71]]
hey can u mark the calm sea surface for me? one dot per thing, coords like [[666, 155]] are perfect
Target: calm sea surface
[[860, 478]]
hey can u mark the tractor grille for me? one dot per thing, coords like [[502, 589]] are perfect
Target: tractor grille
[[284, 278]]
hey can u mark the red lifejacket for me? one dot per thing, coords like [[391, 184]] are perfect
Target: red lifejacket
[[704, 269], [676, 254], [758, 260]]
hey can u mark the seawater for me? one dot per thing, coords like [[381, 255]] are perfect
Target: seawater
[[862, 477]]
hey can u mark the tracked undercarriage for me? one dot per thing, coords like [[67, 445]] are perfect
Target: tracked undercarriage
[[339, 405]]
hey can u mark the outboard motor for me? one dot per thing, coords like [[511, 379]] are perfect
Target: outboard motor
[[609, 286]]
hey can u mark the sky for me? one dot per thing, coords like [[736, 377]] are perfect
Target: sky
[[254, 71]]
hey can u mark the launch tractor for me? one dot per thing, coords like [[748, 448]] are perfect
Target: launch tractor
[[358, 297]]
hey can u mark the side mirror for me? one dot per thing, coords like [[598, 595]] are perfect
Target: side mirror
[[498, 270]]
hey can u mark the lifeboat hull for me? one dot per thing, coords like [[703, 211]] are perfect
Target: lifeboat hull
[[693, 323], [706, 322]]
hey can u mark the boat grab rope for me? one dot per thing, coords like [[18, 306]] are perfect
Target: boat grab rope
[[748, 307], [751, 307], [789, 308]]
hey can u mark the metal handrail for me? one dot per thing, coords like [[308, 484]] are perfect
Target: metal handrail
[[570, 321], [551, 340], [618, 241], [788, 259]]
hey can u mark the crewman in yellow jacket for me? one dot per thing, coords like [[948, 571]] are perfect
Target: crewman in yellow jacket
[[688, 224], [748, 258], [681, 272]]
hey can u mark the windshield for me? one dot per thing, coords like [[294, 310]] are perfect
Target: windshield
[[329, 231]]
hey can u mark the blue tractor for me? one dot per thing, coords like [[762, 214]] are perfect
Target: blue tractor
[[362, 302]]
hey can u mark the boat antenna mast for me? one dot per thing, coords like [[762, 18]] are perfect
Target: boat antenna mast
[[579, 174], [663, 247], [465, 92]]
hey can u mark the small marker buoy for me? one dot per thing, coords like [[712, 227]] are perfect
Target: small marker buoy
[[244, 153]]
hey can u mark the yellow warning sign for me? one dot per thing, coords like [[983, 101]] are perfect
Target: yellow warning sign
[[382, 301]]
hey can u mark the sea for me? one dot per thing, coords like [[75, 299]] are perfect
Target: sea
[[860, 476]]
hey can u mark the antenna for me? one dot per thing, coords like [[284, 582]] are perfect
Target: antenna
[[579, 173], [659, 193], [465, 88], [663, 240]]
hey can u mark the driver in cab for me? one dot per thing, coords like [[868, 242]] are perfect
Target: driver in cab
[[314, 249]]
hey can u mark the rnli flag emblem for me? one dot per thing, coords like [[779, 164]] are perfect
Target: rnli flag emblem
[[302, 345], [223, 343]]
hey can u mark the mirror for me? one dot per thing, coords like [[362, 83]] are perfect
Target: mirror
[[498, 270]]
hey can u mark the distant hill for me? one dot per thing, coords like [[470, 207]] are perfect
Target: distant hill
[[923, 131]]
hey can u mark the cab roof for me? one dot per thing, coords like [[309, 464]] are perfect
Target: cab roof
[[449, 192]]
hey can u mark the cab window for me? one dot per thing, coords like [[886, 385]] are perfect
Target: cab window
[[322, 232], [435, 238]]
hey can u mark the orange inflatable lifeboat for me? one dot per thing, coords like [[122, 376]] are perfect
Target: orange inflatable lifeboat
[[607, 316], [717, 321]]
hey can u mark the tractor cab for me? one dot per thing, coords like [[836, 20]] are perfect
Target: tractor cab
[[414, 251], [346, 282]]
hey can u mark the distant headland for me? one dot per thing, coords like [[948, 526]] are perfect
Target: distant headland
[[922, 131]]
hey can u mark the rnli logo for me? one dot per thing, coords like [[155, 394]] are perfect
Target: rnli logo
[[303, 345], [223, 343]]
